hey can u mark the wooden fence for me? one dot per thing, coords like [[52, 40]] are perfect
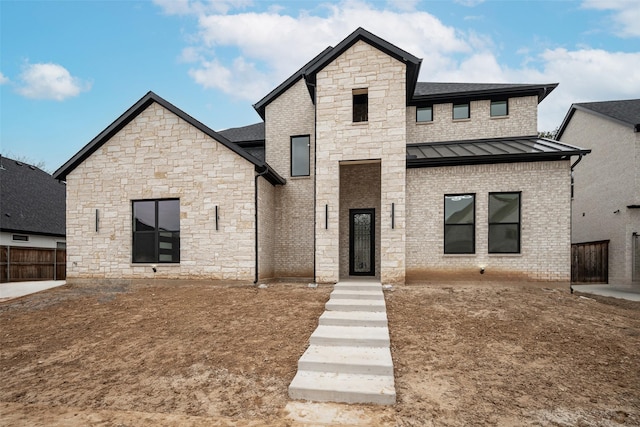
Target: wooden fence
[[20, 264], [590, 262]]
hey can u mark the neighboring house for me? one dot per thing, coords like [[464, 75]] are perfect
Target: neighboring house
[[606, 200], [356, 170], [32, 223]]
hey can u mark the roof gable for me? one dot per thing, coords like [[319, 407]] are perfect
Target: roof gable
[[138, 108], [625, 112], [32, 200]]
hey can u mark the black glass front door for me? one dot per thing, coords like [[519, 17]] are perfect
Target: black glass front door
[[362, 242]]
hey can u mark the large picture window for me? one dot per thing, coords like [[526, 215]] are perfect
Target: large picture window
[[504, 223], [459, 224], [300, 155], [156, 231]]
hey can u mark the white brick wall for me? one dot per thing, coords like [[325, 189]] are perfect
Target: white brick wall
[[545, 226], [522, 120], [158, 155]]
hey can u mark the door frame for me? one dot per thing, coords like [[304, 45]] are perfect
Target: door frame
[[372, 213]]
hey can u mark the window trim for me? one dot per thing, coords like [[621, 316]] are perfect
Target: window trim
[[506, 102], [473, 225], [453, 111], [20, 238], [156, 232], [519, 223], [424, 107], [308, 136], [360, 92]]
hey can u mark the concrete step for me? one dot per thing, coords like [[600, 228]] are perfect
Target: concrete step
[[339, 387], [347, 360], [354, 318], [358, 286], [355, 336], [359, 294], [355, 305]]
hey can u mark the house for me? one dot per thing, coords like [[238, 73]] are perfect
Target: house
[[357, 169], [32, 223], [606, 197]]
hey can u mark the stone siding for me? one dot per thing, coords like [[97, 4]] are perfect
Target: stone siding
[[545, 222], [158, 155], [291, 114], [339, 139], [522, 120], [606, 181]]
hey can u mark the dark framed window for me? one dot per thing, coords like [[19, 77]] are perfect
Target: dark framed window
[[424, 114], [459, 224], [504, 223], [360, 105], [499, 108], [461, 111], [20, 238], [156, 231], [300, 155]]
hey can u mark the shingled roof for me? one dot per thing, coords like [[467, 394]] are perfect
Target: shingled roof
[[32, 201], [626, 112], [434, 91]]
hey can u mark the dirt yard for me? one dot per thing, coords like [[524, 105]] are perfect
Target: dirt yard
[[202, 355]]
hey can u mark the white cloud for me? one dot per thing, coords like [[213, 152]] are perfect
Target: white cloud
[[406, 5], [469, 3], [191, 7], [3, 79], [49, 81], [625, 15]]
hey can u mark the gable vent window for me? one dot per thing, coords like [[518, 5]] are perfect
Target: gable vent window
[[20, 238], [499, 108], [360, 105], [461, 111]]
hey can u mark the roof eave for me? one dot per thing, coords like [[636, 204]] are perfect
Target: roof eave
[[541, 91]]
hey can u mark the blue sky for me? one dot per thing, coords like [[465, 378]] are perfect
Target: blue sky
[[70, 68]]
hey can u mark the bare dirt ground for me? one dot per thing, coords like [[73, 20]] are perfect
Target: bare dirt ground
[[209, 355]]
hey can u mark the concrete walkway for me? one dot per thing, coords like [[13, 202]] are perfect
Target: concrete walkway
[[349, 359], [631, 293], [18, 289]]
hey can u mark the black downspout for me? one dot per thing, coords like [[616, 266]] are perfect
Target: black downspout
[[315, 174], [571, 213], [255, 201]]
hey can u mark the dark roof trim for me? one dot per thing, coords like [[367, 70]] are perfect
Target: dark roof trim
[[574, 107], [557, 151], [35, 233], [132, 113], [633, 207], [412, 63], [471, 94], [261, 105]]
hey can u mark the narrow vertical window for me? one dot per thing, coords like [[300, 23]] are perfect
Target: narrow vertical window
[[424, 114], [459, 224], [156, 231], [360, 105], [300, 155], [504, 223], [461, 111], [499, 108]]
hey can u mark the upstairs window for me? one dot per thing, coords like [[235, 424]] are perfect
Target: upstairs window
[[504, 223], [459, 224], [300, 155], [424, 114], [499, 108], [156, 231], [360, 105], [461, 111]]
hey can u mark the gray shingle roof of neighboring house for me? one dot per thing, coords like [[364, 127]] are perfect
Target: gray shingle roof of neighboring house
[[260, 165], [31, 200], [625, 112], [250, 138]]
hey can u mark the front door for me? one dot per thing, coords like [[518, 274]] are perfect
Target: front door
[[362, 242]]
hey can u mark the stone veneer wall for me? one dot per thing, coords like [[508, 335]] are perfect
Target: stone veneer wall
[[522, 120], [359, 189], [606, 180], [383, 137], [545, 223], [158, 155], [291, 114]]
